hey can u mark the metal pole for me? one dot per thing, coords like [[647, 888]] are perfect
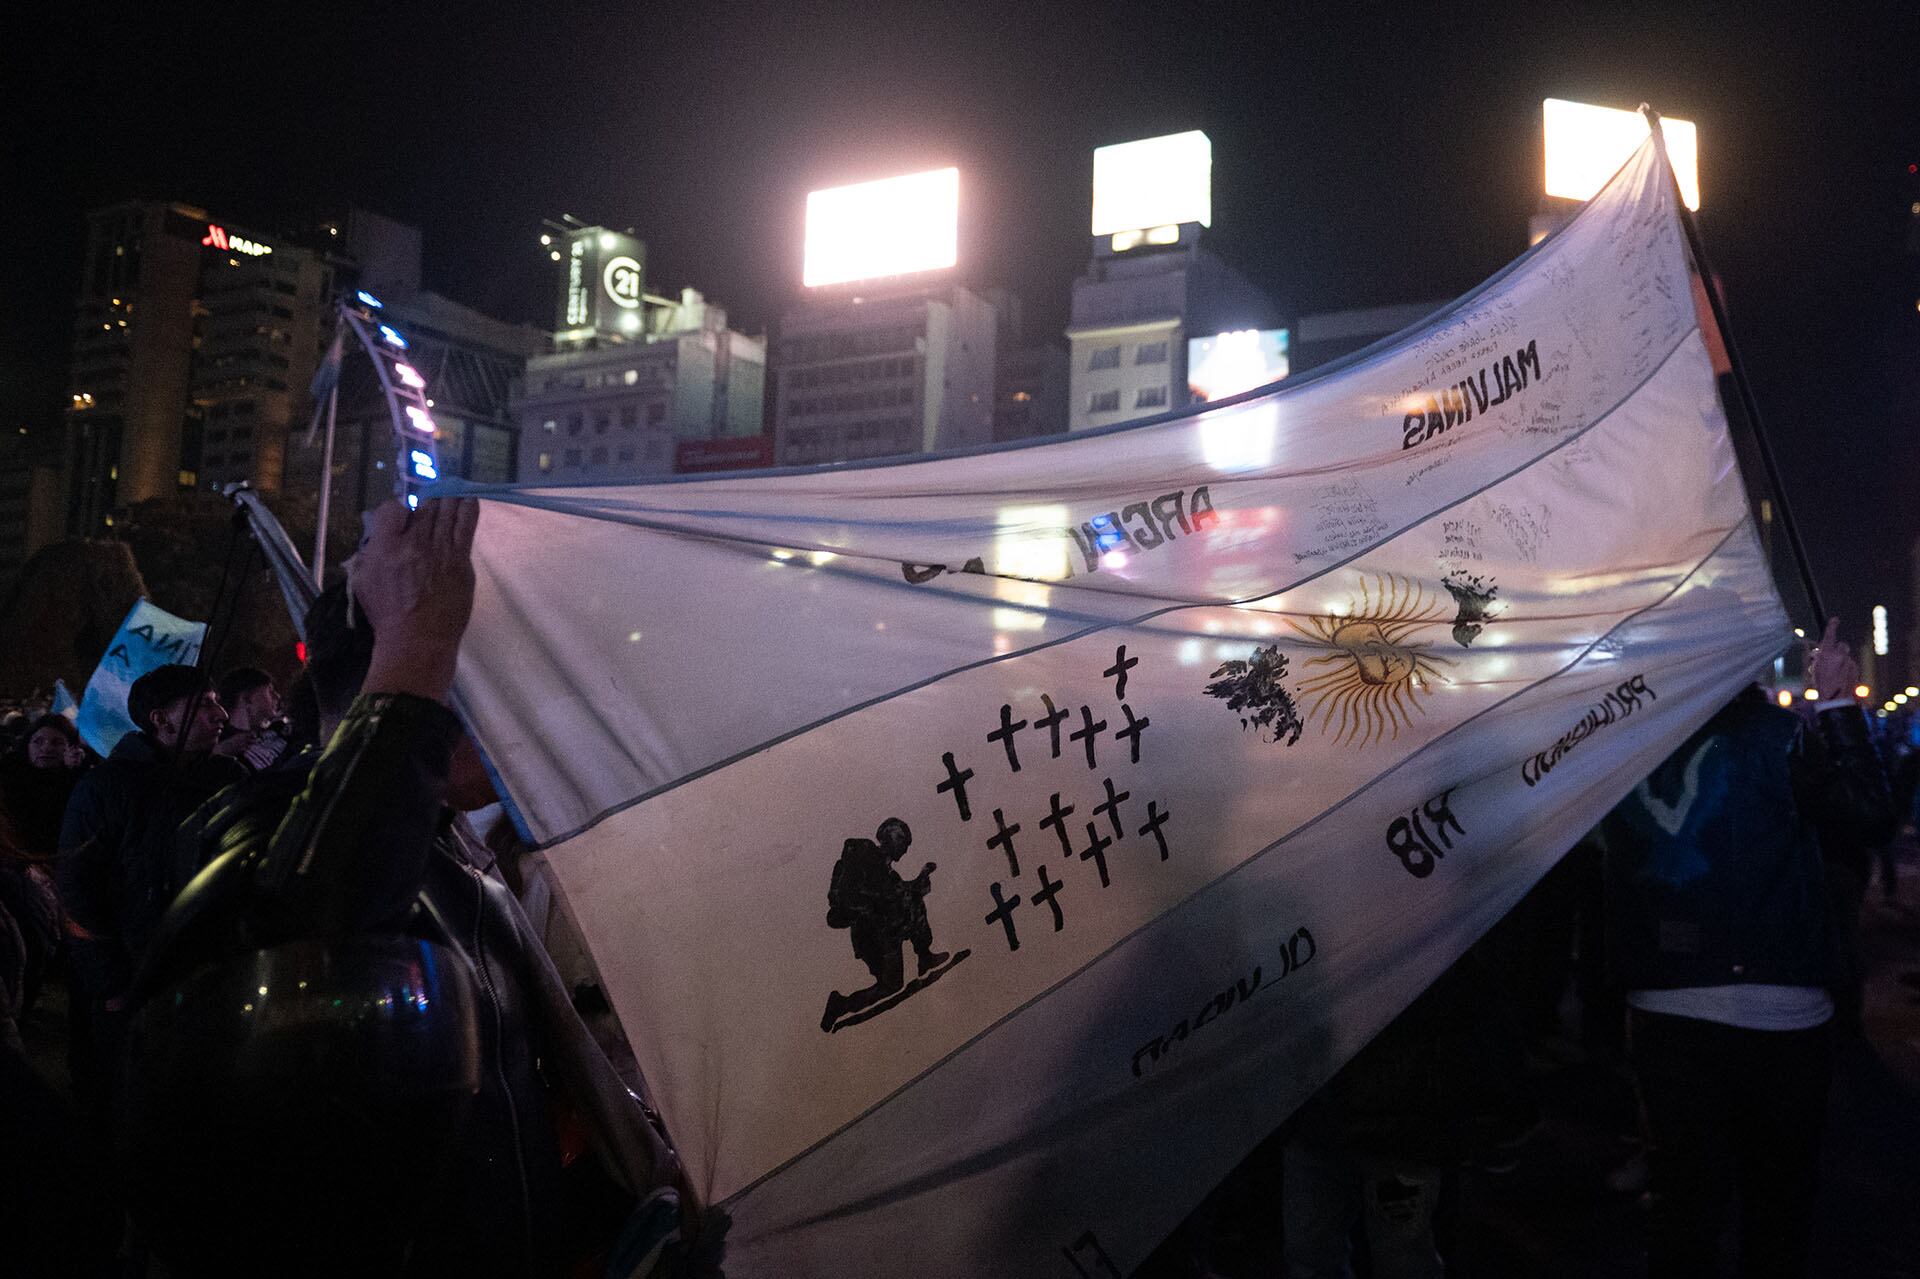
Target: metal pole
[[326, 491], [1739, 375]]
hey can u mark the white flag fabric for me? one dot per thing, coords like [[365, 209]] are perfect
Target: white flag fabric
[[148, 637], [1218, 737]]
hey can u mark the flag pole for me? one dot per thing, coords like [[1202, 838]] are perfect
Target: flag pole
[[326, 492], [1748, 406]]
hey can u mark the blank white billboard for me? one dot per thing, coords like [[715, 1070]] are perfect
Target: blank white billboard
[[895, 226], [1154, 182], [1586, 145]]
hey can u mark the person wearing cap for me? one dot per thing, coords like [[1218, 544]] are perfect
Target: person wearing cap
[[117, 868]]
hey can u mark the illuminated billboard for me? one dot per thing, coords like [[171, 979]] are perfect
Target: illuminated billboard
[[1586, 145], [896, 226], [1229, 363], [602, 276], [1152, 183]]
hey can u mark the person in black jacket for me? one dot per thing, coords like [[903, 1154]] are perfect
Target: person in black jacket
[[345, 1019], [116, 872], [1718, 931]]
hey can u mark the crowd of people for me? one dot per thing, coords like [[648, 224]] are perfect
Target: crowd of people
[[442, 1090]]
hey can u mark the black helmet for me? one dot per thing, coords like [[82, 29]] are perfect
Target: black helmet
[[291, 1110]]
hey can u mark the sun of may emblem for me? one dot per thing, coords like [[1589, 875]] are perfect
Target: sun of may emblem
[[1369, 672]]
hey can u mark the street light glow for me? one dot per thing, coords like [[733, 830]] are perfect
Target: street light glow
[[1586, 145], [1879, 630]]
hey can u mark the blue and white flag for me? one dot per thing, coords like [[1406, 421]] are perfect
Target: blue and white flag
[[149, 636], [985, 852]]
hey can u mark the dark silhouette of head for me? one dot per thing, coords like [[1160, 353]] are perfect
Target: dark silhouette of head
[[895, 838], [249, 697], [160, 702]]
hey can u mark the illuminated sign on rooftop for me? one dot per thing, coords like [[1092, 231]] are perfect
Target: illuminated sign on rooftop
[[217, 237], [1153, 183], [1586, 145], [1228, 363], [896, 226]]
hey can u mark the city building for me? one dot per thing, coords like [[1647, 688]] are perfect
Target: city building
[[887, 353], [906, 371], [263, 322], [1029, 378], [1326, 336], [1029, 392], [178, 314], [30, 508], [1152, 288], [635, 384], [196, 343]]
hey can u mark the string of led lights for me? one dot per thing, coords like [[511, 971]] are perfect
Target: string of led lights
[[417, 461]]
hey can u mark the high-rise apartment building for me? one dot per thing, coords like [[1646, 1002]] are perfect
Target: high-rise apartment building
[[194, 340], [633, 378], [899, 371], [1134, 313]]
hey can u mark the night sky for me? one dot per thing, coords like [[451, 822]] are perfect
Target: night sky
[[1363, 155]]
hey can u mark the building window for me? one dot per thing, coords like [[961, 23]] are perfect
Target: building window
[[1103, 402], [599, 456], [626, 455], [575, 423], [656, 448], [571, 457], [1151, 353], [549, 426], [546, 459], [656, 414], [601, 421], [1105, 357], [629, 416], [1150, 397]]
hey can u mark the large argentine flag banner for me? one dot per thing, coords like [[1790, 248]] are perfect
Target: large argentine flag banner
[[985, 852]]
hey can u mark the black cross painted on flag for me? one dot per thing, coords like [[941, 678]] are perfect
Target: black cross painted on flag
[[1051, 722], [957, 779], [1003, 839], [1002, 914], [1049, 893], [1131, 733], [1087, 731], [1004, 735], [1118, 671], [1156, 818], [1111, 807], [1058, 820], [1096, 849]]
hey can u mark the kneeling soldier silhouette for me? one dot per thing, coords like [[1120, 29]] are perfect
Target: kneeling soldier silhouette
[[881, 910]]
